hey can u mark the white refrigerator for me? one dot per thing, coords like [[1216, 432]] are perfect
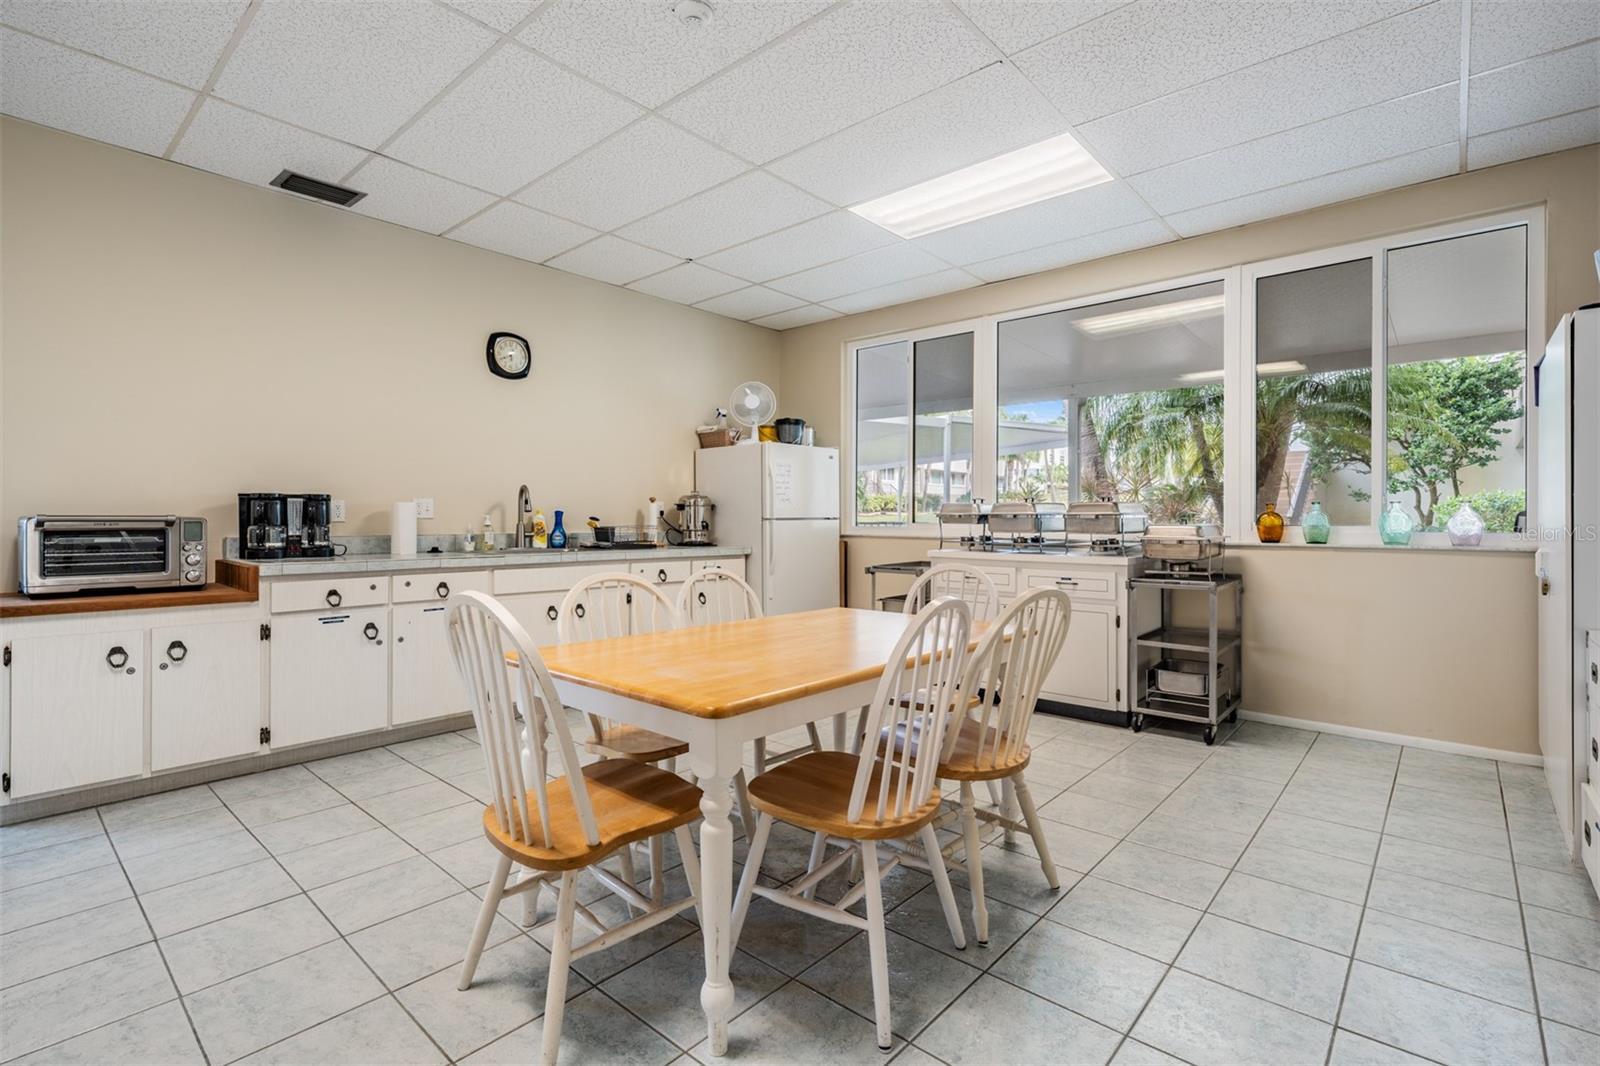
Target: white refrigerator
[[782, 502], [1567, 563]]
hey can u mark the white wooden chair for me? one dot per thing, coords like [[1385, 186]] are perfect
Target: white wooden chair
[[991, 740], [881, 795], [613, 605], [713, 596], [968, 584], [556, 828]]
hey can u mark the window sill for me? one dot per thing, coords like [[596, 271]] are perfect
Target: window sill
[[1493, 544]]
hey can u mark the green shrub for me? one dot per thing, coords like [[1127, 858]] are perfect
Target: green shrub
[[1497, 507]]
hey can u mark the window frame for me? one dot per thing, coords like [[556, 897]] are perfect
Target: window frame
[[1239, 378]]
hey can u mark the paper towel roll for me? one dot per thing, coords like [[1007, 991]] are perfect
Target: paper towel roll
[[403, 528]]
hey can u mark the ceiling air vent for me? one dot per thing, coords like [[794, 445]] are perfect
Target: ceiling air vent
[[317, 190]]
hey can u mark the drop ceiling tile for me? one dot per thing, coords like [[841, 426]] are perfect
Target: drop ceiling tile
[[614, 260], [646, 167], [1534, 89], [746, 207], [987, 113], [174, 39], [687, 283], [1536, 138], [1077, 250], [904, 291], [895, 262], [641, 49], [753, 302], [242, 144], [70, 91], [847, 65], [1402, 55], [1392, 128], [834, 236], [410, 197], [1505, 32], [354, 70], [800, 316], [1420, 166], [515, 117], [499, 14], [1016, 24], [522, 232], [1075, 214], [1150, 48]]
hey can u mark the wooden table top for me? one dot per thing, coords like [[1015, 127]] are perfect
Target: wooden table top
[[719, 671]]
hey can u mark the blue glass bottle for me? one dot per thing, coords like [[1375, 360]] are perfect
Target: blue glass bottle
[[1314, 526], [558, 533]]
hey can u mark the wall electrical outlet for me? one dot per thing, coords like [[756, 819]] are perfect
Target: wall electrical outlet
[[424, 506], [338, 511]]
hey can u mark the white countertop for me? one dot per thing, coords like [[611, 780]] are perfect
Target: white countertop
[[357, 564], [1054, 558]]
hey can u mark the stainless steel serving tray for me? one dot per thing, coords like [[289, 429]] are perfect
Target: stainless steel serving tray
[[1185, 544]]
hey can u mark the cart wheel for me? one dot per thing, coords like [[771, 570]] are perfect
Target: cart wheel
[[1233, 715], [1138, 723], [1211, 735]]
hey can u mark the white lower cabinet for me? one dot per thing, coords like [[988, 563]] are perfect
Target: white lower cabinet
[[205, 693], [77, 710], [538, 612], [330, 675], [424, 676], [1086, 670]]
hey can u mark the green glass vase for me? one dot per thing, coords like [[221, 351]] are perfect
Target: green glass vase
[[1396, 527], [1315, 525]]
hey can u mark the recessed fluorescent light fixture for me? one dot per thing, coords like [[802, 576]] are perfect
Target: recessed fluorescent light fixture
[[1145, 317], [1263, 370], [1038, 172]]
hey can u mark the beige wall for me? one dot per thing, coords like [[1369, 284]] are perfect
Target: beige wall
[[171, 338], [1423, 644]]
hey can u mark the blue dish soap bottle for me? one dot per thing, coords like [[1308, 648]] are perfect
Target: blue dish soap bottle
[[558, 533]]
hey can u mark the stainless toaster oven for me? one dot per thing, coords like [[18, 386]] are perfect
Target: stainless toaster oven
[[109, 553]]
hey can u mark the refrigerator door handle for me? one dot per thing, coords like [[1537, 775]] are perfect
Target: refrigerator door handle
[[766, 544]]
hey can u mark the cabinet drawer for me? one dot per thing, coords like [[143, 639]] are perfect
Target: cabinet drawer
[[665, 572], [544, 578], [1589, 834], [434, 585], [328, 593], [733, 566], [1086, 583]]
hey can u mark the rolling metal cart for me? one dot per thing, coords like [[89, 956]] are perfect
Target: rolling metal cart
[[1189, 673], [914, 567]]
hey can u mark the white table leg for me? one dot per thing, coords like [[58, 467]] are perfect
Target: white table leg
[[839, 730], [716, 887]]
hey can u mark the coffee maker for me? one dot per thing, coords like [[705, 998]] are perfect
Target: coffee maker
[[273, 525]]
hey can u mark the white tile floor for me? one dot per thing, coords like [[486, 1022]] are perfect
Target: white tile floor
[[1288, 897]]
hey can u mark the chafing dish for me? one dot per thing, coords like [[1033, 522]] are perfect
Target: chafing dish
[[1183, 544], [1013, 519], [968, 522], [1105, 518]]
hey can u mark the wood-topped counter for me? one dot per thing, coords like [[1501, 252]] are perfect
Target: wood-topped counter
[[234, 583]]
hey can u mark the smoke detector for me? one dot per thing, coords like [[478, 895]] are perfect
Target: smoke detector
[[692, 13]]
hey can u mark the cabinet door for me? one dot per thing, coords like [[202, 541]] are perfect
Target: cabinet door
[[1086, 671], [205, 693], [537, 611], [77, 710], [425, 682], [330, 675]]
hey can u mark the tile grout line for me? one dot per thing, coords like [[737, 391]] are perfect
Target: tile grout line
[[1522, 918]]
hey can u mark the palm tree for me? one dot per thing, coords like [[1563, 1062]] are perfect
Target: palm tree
[[1171, 435], [1330, 412]]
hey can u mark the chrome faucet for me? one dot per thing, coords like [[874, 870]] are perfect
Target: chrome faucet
[[524, 518]]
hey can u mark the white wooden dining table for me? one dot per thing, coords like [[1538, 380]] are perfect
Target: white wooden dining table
[[718, 687]]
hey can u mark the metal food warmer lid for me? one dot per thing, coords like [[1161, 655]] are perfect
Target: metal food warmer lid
[[1200, 540], [1106, 517]]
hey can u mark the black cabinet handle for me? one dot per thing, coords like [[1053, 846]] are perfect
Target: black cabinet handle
[[1594, 673], [661, 576], [702, 599], [552, 612], [443, 590], [370, 630], [177, 651], [117, 657], [333, 598], [579, 611]]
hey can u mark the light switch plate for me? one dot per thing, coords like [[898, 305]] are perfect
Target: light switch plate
[[424, 506], [338, 511]]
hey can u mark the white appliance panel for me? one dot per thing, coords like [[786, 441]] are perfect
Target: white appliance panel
[[1552, 571], [799, 565], [799, 482]]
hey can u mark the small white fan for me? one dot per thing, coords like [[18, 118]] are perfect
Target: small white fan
[[752, 405]]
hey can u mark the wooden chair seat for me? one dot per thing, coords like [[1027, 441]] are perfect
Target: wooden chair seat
[[636, 744], [813, 792], [632, 801], [963, 762]]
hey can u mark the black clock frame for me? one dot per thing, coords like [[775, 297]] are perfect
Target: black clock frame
[[494, 365]]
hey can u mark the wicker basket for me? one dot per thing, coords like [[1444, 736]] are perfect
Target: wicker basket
[[717, 438]]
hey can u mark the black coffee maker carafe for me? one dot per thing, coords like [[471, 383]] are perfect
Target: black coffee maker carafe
[[263, 525], [310, 521]]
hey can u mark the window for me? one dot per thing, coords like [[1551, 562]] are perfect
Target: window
[[1314, 392], [906, 466], [1457, 326], [1119, 399]]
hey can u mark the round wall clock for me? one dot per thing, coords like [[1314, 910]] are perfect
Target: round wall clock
[[509, 355]]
